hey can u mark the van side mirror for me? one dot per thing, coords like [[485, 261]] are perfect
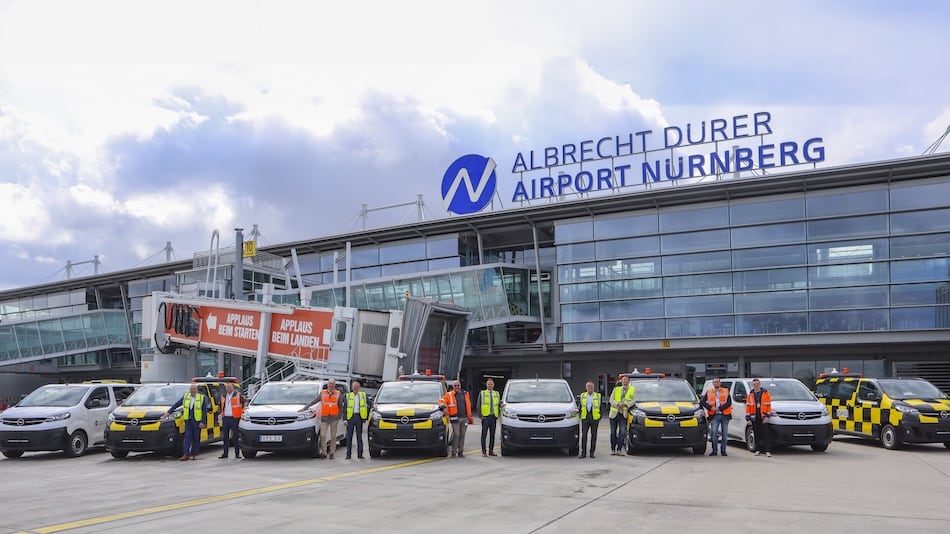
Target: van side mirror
[[443, 407], [739, 397], [871, 396]]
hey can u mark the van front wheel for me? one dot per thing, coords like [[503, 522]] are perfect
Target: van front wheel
[[750, 438], [889, 438], [76, 444], [17, 454], [819, 447]]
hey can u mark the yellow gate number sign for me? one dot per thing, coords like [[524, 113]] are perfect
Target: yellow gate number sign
[[250, 249]]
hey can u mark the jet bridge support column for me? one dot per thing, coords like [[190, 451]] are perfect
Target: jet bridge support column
[[262, 346]]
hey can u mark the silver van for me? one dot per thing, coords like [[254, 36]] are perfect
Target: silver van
[[539, 413], [61, 417], [799, 418]]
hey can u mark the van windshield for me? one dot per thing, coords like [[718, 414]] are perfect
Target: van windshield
[[538, 392], [410, 393], [299, 393], [663, 391], [910, 389], [54, 395], [788, 390], [157, 395]]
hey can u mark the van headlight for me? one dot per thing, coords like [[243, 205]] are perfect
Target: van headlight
[[436, 415], [58, 417], [245, 416], [903, 408], [824, 411], [508, 412], [638, 413], [699, 414], [305, 414], [573, 413], [375, 416]]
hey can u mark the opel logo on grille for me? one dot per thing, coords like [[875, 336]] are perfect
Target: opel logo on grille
[[271, 421], [945, 414], [542, 418], [801, 416], [134, 422], [671, 417], [404, 419], [19, 422]]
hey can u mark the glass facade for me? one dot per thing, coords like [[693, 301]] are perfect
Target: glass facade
[[91, 330], [874, 258]]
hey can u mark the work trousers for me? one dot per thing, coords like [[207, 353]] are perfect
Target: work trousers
[[458, 435], [192, 440], [589, 425], [763, 441], [229, 433], [719, 429], [328, 436], [354, 427], [618, 432], [488, 431]]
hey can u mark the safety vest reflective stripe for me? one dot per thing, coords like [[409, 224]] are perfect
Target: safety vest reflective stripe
[[330, 403], [595, 409], [765, 403], [490, 400], [351, 400], [236, 408], [452, 404], [186, 406], [616, 398]]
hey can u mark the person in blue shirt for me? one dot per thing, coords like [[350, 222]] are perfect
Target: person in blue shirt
[[590, 419], [195, 409]]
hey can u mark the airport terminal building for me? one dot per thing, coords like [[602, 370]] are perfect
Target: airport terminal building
[[765, 275]]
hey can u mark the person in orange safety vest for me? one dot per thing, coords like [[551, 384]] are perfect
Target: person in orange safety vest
[[331, 409], [459, 421], [718, 405], [758, 408], [232, 406]]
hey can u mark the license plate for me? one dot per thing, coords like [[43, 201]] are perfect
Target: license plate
[[272, 438]]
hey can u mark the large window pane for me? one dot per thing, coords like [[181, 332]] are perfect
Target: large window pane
[[631, 268], [920, 221], [643, 329], [364, 257], [775, 210], [823, 205], [770, 279], [771, 301], [697, 284], [631, 309], [778, 234], [848, 297], [920, 270], [439, 247], [573, 313], [920, 196], [919, 318], [700, 326], [697, 263], [630, 247], [911, 294], [770, 257], [848, 321], [402, 252], [920, 245], [581, 332], [578, 292], [636, 288], [573, 232], [578, 252], [632, 225], [695, 241], [405, 268], [694, 219], [848, 275], [705, 305], [576, 272], [847, 227], [772, 323], [847, 251]]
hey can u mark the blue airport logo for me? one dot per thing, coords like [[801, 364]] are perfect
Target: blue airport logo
[[469, 184]]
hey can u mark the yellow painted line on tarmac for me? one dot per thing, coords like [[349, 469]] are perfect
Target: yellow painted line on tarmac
[[219, 498]]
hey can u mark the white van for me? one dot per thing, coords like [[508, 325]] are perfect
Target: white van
[[284, 416], [539, 413], [799, 418], [61, 417]]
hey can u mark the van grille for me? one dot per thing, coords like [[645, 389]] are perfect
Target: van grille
[[273, 420], [802, 416], [26, 421], [540, 418]]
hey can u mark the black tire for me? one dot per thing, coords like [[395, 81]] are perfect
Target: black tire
[[443, 449], [573, 451], [701, 449], [819, 447], [118, 455], [946, 444], [375, 452], [13, 453], [315, 447], [889, 438], [76, 445], [249, 453], [750, 438], [505, 451]]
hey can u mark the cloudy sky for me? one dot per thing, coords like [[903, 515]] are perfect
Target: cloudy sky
[[124, 125]]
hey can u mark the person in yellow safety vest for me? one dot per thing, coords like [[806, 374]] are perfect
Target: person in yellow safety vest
[[590, 419], [718, 405], [357, 411], [331, 406], [621, 399], [195, 407], [488, 402]]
